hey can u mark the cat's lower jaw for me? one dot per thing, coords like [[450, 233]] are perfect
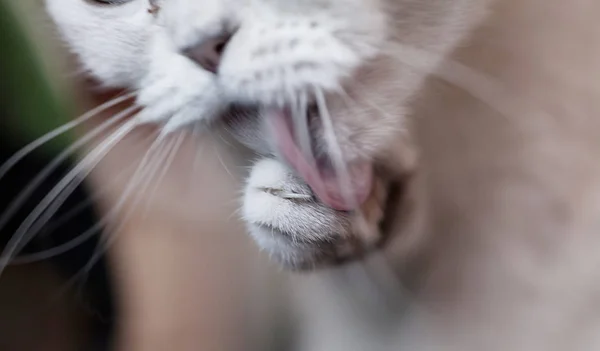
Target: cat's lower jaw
[[297, 230]]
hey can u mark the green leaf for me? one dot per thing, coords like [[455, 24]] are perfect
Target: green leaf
[[28, 104]]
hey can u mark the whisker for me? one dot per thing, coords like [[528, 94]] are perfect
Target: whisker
[[376, 268], [143, 169], [62, 196], [301, 127], [32, 146], [86, 235], [477, 84], [21, 237], [234, 213], [171, 153], [216, 150], [334, 147], [351, 102], [144, 172], [59, 249], [20, 200], [196, 134], [222, 138], [337, 157]]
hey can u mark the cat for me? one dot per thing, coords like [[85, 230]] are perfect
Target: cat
[[315, 87], [502, 271]]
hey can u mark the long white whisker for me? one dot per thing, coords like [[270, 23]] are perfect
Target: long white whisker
[[236, 212], [106, 220], [172, 152], [216, 150], [57, 250], [196, 162], [63, 195], [143, 169], [301, 127], [223, 139], [337, 157], [73, 243], [29, 148], [333, 145], [350, 102], [143, 174], [88, 163], [20, 200], [478, 84]]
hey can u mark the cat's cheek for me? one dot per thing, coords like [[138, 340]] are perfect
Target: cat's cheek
[[110, 41]]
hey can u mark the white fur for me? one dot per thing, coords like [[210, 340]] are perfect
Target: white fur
[[295, 229]]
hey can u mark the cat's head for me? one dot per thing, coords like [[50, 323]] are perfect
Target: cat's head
[[330, 68]]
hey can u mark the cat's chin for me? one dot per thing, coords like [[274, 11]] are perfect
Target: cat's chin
[[297, 230], [297, 256]]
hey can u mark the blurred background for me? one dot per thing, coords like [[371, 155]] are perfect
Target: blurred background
[[39, 311]]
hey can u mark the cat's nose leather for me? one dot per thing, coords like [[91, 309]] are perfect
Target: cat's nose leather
[[208, 53]]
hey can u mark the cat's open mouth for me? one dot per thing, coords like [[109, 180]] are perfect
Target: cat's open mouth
[[342, 189]]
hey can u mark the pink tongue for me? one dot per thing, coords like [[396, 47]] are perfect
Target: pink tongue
[[326, 185]]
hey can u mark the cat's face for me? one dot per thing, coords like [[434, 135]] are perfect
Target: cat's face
[[321, 83]]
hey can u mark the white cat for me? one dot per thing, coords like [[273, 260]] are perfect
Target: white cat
[[315, 86], [513, 185]]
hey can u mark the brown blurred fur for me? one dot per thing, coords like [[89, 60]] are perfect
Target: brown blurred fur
[[513, 198]]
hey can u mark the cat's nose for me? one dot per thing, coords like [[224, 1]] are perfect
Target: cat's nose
[[208, 53]]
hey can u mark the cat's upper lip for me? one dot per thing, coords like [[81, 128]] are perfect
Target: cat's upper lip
[[340, 193]]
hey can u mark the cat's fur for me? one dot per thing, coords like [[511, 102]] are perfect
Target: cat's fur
[[511, 171], [279, 52]]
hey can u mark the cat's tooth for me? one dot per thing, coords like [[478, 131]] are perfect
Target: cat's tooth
[[294, 196], [286, 194]]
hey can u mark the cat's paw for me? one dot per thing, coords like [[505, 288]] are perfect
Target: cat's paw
[[288, 222]]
